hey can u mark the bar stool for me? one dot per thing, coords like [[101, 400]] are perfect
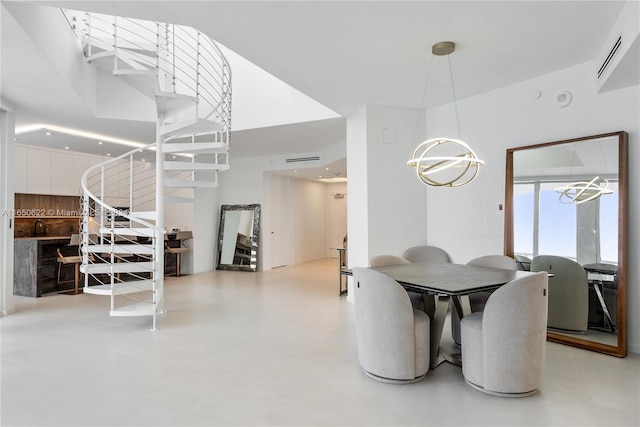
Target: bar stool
[[76, 260]]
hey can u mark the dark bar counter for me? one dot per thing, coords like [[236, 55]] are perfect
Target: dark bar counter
[[35, 265]]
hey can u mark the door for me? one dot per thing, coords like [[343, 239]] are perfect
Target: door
[[278, 222]]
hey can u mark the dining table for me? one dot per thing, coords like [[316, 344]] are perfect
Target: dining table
[[449, 283]]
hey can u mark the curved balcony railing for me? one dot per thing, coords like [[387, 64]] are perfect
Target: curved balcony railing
[[187, 61]]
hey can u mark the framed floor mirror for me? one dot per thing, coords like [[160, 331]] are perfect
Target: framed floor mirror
[[238, 237], [566, 213]]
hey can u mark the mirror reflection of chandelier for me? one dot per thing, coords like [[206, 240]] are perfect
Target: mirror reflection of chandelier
[[583, 191], [445, 162]]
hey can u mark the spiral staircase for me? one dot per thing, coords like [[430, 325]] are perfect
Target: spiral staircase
[[122, 226]]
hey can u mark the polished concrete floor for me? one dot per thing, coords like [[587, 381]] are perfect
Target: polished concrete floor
[[263, 349]]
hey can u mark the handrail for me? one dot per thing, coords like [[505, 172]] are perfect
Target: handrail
[[188, 60], [106, 206]]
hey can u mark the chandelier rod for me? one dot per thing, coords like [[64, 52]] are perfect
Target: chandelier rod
[[455, 102]]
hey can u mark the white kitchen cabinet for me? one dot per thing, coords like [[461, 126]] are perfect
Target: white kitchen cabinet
[[62, 174], [80, 166], [38, 171], [20, 169]]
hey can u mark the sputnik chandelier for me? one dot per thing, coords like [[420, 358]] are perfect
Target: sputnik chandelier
[[445, 162], [460, 166], [583, 191]]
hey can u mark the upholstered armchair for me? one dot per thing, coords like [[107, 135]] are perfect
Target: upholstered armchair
[[503, 346], [382, 260], [523, 262], [393, 337], [477, 300], [568, 292], [426, 254]]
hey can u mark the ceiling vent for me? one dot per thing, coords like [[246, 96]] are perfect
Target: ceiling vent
[[303, 159], [612, 53]]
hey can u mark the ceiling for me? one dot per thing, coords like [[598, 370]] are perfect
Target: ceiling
[[342, 54]]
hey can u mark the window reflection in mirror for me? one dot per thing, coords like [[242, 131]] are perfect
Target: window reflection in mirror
[[539, 221]]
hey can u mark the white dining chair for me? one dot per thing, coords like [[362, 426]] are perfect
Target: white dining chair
[[477, 300], [393, 337], [426, 254], [504, 346]]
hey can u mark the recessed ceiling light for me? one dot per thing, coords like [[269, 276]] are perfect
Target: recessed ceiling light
[[173, 157], [295, 170], [326, 169], [100, 142], [143, 160], [108, 154], [76, 132], [66, 148], [319, 176], [47, 133]]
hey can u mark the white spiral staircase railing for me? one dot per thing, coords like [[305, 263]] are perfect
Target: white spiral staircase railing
[[122, 228]]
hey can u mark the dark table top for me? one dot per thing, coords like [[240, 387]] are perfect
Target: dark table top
[[449, 279]]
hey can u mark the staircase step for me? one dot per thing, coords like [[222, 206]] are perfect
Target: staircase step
[[177, 199], [133, 72], [197, 127], [119, 267], [138, 308], [190, 166], [144, 214], [137, 50], [120, 288], [196, 147], [101, 54], [171, 103], [180, 183], [125, 231], [124, 249]]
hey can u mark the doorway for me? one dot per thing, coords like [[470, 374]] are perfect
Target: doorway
[[337, 222]]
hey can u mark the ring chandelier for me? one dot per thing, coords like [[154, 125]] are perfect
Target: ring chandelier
[[441, 155], [427, 162], [582, 191]]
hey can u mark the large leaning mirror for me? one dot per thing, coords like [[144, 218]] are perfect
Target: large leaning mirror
[[566, 213], [238, 237]]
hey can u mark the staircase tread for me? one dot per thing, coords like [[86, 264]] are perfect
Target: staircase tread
[[122, 248], [173, 165], [195, 147], [120, 288], [193, 127], [138, 308], [119, 267]]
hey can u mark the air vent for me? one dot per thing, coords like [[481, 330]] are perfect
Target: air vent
[[303, 159], [612, 53]]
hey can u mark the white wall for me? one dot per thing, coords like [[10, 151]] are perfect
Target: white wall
[[466, 221], [336, 217], [7, 125], [396, 202], [387, 204], [262, 100], [357, 188]]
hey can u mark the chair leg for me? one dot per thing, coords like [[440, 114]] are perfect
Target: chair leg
[[178, 265], [76, 275], [59, 267]]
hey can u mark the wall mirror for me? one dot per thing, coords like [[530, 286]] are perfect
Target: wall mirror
[[238, 237], [568, 200]]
